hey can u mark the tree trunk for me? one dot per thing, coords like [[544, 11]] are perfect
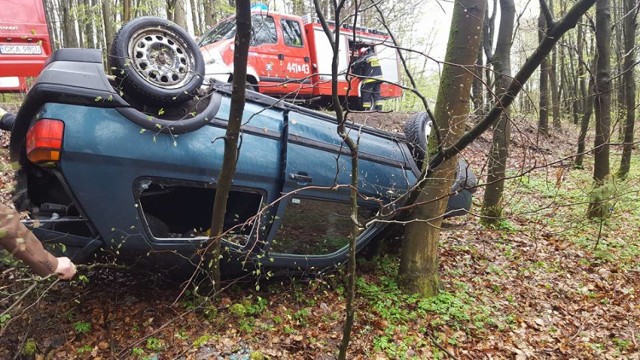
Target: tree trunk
[[209, 15], [108, 24], [51, 19], [223, 186], [492, 206], [334, 40], [582, 69], [70, 37], [597, 207], [488, 31], [630, 24], [180, 13], [555, 90], [586, 118], [126, 10], [195, 17], [618, 81], [419, 258], [543, 120], [553, 82], [88, 26], [477, 89], [171, 9]]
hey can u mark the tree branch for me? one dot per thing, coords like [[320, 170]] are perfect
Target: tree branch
[[555, 32], [548, 16]]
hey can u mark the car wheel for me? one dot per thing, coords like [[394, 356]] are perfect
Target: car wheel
[[417, 130], [156, 61]]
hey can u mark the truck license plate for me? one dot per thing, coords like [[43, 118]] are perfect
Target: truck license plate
[[21, 49]]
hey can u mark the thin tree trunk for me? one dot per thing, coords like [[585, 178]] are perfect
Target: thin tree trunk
[[71, 37], [555, 91], [630, 25], [225, 178], [584, 124], [488, 30], [543, 119], [597, 206], [126, 10], [107, 23], [553, 82], [209, 14], [477, 89], [334, 40], [195, 18], [492, 205], [51, 19], [88, 26], [582, 70], [618, 82]]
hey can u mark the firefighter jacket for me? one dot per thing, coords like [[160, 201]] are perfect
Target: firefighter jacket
[[368, 67]]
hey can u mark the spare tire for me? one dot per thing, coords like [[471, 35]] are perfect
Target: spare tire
[[155, 61], [416, 131]]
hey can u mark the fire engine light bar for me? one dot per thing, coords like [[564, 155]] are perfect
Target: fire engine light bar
[[44, 141]]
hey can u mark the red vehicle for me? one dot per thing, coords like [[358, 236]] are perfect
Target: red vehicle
[[291, 58], [24, 42]]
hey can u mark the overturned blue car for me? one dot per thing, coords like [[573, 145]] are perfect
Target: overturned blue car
[[126, 165]]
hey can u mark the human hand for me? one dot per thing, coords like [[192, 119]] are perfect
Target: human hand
[[66, 269]]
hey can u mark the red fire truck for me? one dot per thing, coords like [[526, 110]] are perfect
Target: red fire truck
[[24, 42], [289, 57]]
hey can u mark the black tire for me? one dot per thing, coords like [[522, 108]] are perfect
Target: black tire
[[417, 130], [155, 61]]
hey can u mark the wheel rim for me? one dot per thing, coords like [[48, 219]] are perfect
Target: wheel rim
[[161, 58], [427, 132]]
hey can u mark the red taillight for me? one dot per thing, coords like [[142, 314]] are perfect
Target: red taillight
[[44, 141]]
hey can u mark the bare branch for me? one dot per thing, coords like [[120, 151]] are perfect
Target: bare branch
[[548, 16]]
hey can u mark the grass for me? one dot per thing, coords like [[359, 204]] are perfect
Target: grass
[[561, 211], [402, 320]]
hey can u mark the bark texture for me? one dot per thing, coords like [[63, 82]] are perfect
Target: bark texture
[[419, 258], [602, 104], [223, 186], [492, 205], [543, 105], [630, 25]]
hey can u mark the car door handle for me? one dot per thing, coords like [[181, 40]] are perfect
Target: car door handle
[[302, 178], [306, 59], [280, 56]]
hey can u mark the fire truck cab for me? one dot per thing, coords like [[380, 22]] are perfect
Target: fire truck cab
[[24, 42], [291, 58]]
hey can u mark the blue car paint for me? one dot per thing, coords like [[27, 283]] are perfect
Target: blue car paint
[[107, 156]]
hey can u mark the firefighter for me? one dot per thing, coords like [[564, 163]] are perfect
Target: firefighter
[[368, 67]]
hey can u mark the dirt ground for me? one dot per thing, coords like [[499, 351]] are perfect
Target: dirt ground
[[536, 288]]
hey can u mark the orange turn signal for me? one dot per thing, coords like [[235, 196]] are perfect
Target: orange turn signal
[[44, 141]]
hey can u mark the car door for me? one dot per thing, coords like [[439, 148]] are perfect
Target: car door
[[313, 221], [264, 51], [295, 56]]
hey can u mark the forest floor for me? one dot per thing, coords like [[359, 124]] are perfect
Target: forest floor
[[545, 283]]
